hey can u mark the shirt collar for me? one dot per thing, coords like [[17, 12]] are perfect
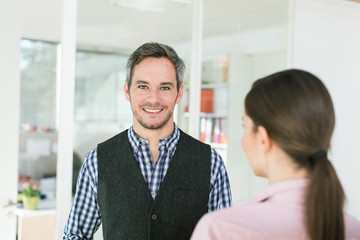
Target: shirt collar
[[169, 142], [281, 187]]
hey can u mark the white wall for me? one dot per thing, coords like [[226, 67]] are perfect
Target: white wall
[[327, 43], [9, 109]]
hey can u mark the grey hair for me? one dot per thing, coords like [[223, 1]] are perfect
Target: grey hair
[[157, 50]]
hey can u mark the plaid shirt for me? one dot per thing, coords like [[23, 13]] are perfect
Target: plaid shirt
[[85, 215]]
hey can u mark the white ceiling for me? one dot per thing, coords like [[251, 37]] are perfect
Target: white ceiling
[[103, 24]]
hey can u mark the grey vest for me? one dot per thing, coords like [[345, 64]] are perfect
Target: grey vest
[[127, 209]]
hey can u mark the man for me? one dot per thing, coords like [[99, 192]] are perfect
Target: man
[[151, 181]]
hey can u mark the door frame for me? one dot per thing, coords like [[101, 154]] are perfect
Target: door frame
[[10, 23]]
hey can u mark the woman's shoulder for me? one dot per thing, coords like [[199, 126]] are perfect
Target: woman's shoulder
[[252, 221], [222, 224], [352, 227]]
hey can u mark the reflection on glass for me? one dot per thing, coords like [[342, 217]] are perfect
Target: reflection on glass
[[99, 95], [38, 84]]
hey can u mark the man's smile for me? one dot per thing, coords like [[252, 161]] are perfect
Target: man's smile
[[152, 110]]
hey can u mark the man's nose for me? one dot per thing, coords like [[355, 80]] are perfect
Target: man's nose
[[153, 96]]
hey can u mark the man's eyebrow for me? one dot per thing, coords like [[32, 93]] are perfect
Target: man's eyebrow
[[141, 82], [167, 83]]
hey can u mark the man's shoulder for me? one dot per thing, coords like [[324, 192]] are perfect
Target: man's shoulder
[[192, 145], [190, 139], [115, 138]]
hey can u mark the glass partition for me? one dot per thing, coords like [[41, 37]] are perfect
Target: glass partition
[[243, 40], [38, 84], [109, 31], [38, 133], [99, 81]]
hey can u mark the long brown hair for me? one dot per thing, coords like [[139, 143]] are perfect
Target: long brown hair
[[296, 109]]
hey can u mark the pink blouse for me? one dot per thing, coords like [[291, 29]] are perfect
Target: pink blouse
[[277, 212]]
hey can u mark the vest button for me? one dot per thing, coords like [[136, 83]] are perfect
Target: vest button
[[154, 217]]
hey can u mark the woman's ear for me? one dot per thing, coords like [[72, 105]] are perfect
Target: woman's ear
[[264, 140]]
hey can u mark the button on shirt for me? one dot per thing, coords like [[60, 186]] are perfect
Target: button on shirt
[[85, 215]]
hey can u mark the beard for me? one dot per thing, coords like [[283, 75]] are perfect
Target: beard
[[152, 126]]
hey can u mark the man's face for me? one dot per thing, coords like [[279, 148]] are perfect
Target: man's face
[[153, 93]]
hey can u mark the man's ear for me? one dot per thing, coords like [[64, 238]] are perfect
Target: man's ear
[[126, 90], [264, 140], [180, 94]]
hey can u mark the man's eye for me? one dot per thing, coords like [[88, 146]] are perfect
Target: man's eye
[[165, 88], [142, 87]]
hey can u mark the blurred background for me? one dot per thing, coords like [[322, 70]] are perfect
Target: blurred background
[[226, 46]]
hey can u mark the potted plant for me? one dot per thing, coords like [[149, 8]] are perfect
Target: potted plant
[[31, 194]]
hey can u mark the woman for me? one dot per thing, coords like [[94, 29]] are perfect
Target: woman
[[288, 120]]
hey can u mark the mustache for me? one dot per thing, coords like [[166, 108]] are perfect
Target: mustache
[[150, 105]]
